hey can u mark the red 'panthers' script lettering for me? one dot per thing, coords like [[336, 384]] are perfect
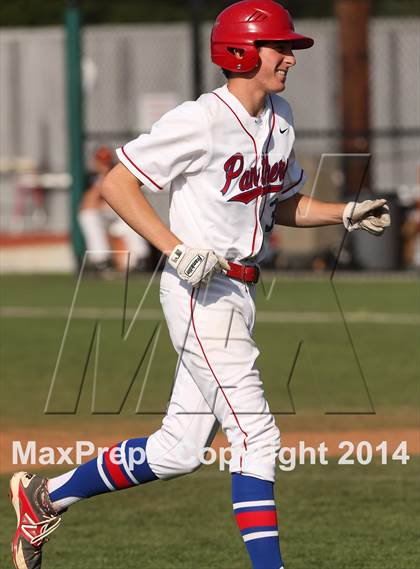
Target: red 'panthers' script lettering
[[254, 181]]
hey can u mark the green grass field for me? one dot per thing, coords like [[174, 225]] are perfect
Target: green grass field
[[331, 517]]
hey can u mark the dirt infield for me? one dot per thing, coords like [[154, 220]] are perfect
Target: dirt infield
[[45, 439]]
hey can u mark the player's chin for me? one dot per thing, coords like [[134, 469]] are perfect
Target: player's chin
[[278, 84], [278, 87]]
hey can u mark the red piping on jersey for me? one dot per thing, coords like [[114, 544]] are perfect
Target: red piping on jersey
[[255, 227], [273, 122], [240, 122], [293, 185], [273, 116], [141, 171], [214, 375], [256, 157]]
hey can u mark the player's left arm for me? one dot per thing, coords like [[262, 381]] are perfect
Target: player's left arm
[[303, 211]]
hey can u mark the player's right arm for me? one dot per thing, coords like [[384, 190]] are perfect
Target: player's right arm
[[178, 145], [122, 190]]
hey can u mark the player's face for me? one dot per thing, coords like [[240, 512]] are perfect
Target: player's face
[[276, 60]]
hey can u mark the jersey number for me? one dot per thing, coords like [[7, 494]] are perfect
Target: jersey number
[[272, 206]]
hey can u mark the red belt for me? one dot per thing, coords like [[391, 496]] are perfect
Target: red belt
[[244, 273]]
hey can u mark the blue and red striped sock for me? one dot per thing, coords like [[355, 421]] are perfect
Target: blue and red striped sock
[[255, 511], [122, 466]]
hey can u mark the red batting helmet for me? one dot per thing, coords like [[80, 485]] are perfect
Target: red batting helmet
[[244, 23]]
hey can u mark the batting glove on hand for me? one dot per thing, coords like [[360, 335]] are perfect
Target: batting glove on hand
[[196, 266], [370, 215]]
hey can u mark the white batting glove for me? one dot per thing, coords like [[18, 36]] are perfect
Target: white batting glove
[[370, 215], [196, 266]]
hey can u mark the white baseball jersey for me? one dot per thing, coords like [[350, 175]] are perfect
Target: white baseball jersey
[[226, 170]]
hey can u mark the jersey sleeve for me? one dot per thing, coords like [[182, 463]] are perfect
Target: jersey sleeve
[[177, 144], [294, 178]]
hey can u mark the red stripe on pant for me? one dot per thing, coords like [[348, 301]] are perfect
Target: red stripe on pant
[[192, 305], [247, 520], [118, 479]]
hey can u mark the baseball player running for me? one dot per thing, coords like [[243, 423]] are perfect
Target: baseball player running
[[228, 159]]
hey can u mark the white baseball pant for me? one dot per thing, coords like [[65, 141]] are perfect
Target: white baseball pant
[[217, 381]]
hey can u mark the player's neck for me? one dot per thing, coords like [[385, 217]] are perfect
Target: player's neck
[[252, 99]]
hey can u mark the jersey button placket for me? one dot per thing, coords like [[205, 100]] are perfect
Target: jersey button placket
[[261, 139]]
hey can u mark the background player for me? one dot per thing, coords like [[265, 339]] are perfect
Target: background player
[[228, 158], [98, 221]]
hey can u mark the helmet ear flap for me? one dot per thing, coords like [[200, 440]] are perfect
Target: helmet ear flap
[[229, 61]]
